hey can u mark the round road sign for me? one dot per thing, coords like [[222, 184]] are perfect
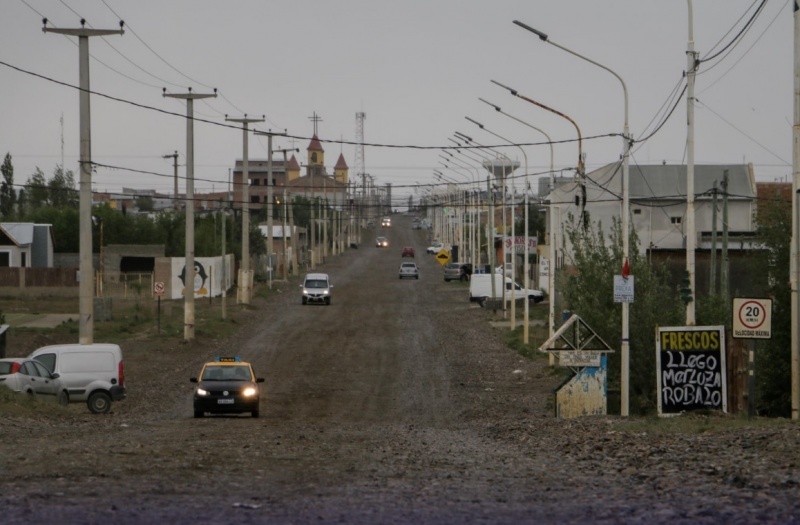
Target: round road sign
[[752, 318]]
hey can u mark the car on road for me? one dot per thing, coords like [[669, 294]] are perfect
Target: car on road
[[410, 270], [386, 222], [381, 242], [436, 247], [408, 251], [316, 288], [457, 271], [226, 385], [31, 377]]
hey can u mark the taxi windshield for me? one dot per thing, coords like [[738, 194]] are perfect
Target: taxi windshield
[[226, 373], [316, 283]]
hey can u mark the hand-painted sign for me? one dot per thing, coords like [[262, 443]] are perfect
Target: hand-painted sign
[[691, 368]]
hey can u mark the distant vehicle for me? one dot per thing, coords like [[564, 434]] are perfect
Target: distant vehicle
[[92, 373], [226, 385], [480, 289], [381, 242], [409, 269], [386, 222], [436, 247], [316, 288], [408, 251], [28, 376], [457, 271]]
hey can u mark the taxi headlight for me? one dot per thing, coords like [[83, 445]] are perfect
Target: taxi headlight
[[249, 391], [201, 392]]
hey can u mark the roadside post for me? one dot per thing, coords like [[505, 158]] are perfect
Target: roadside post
[[158, 290], [752, 319]]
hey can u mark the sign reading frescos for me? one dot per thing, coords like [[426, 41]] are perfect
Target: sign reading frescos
[[691, 369]]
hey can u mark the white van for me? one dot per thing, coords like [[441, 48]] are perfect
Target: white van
[[316, 289], [480, 289], [92, 373]]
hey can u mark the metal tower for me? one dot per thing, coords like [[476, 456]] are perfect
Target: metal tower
[[360, 166]]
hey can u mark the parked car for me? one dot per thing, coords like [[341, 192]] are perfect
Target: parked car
[[409, 269], [316, 288], [480, 289], [92, 373], [31, 377], [436, 247], [408, 251], [381, 242], [457, 271]]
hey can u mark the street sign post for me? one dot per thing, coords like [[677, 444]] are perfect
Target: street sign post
[[158, 290], [443, 257], [752, 319]]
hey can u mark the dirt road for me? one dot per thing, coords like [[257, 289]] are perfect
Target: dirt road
[[398, 403]]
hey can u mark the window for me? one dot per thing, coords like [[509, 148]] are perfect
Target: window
[[676, 220], [48, 360], [637, 211], [255, 182], [253, 198]]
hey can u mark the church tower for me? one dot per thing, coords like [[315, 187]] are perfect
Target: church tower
[[340, 170], [316, 155]]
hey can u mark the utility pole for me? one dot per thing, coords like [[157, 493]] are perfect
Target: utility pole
[[723, 273], [188, 272], [270, 196], [174, 158], [224, 279], [712, 285], [244, 277], [691, 231], [794, 247], [86, 289]]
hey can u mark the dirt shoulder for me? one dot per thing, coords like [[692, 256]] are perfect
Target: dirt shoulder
[[399, 403]]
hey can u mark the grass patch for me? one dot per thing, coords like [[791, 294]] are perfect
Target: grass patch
[[703, 421]]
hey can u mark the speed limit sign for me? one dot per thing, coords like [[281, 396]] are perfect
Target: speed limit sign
[[752, 318]]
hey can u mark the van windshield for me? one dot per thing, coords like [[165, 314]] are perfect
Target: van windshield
[[316, 283]]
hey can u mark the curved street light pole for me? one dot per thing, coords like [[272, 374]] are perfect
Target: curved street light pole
[[626, 145], [471, 210]]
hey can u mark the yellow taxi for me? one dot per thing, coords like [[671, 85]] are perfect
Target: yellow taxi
[[226, 385]]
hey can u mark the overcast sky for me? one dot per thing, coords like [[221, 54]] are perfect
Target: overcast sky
[[415, 67]]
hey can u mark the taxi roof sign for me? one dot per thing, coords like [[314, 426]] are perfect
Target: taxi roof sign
[[225, 359]]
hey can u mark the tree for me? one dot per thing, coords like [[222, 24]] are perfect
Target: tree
[[145, 203], [61, 188], [773, 358], [587, 289], [8, 196], [36, 194]]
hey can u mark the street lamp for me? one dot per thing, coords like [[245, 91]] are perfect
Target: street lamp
[[626, 145], [514, 240], [551, 244]]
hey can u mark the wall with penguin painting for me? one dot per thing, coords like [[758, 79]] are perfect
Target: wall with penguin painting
[[209, 279]]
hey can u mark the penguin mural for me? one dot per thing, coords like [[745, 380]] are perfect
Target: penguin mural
[[200, 277]]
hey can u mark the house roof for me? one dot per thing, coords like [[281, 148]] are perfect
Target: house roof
[[664, 181], [20, 233]]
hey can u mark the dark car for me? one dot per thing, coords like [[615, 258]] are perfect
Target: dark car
[[408, 251], [457, 271], [226, 385]]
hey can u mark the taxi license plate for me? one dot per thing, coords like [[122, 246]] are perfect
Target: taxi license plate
[[224, 401]]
